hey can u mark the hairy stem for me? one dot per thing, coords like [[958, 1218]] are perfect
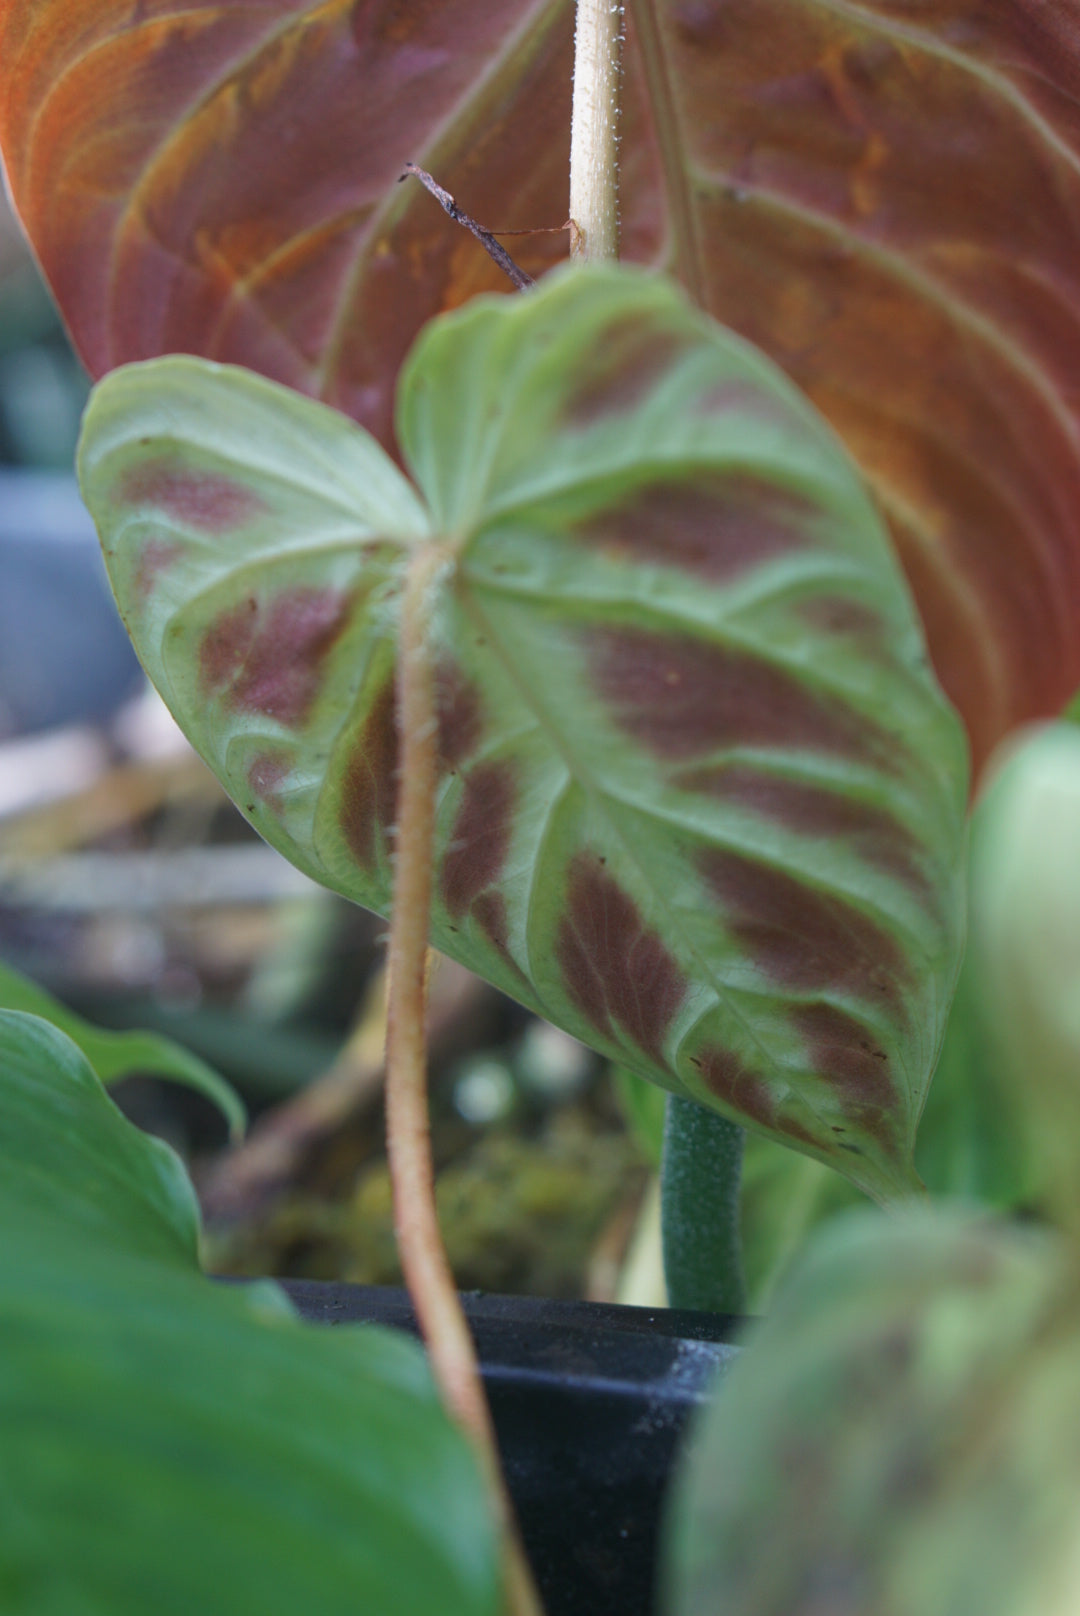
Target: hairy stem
[[700, 1181], [408, 1128], [594, 132]]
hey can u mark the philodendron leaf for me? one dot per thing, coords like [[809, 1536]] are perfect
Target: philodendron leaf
[[899, 1437], [701, 801], [882, 195], [115, 1055], [173, 1445]]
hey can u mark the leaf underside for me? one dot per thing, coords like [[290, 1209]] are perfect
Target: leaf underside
[[173, 1445], [883, 197], [701, 802]]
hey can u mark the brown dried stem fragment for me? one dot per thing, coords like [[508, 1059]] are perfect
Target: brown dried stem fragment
[[493, 248], [423, 1255]]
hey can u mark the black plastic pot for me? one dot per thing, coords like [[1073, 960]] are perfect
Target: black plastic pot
[[589, 1403]]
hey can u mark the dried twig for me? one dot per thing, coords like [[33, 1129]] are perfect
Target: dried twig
[[485, 237]]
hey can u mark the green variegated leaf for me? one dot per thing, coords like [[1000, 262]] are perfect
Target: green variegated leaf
[[701, 800]]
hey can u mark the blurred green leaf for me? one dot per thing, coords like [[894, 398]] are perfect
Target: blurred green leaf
[[784, 1198], [115, 1055], [172, 1445], [643, 1105], [1026, 943], [899, 1436], [971, 1141]]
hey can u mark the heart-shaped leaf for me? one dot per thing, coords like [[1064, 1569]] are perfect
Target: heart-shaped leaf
[[172, 1445], [882, 196], [701, 801]]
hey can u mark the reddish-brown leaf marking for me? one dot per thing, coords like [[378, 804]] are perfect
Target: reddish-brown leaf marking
[[490, 913], [265, 773], [225, 646], [204, 500], [849, 1056], [715, 526], [369, 779], [155, 558], [803, 938], [872, 833], [615, 969], [682, 698], [481, 835], [728, 1077], [840, 615], [457, 703], [271, 661], [628, 361]]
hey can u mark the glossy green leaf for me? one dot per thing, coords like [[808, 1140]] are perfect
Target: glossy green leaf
[[899, 1437], [115, 1055], [701, 801], [882, 195], [173, 1445]]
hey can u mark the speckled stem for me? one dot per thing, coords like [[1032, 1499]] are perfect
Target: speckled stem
[[701, 1175], [408, 1128], [594, 132]]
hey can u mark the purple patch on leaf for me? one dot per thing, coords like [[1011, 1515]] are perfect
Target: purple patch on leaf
[[368, 804], [271, 662], [726, 1075], [872, 833], [631, 355], [848, 619], [490, 914], [155, 558], [457, 704], [265, 774], [850, 1058], [713, 526], [225, 645], [616, 970], [800, 937], [682, 698], [481, 836], [204, 500]]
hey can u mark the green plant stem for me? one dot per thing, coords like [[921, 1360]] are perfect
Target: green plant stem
[[700, 1182], [408, 1126], [594, 132]]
